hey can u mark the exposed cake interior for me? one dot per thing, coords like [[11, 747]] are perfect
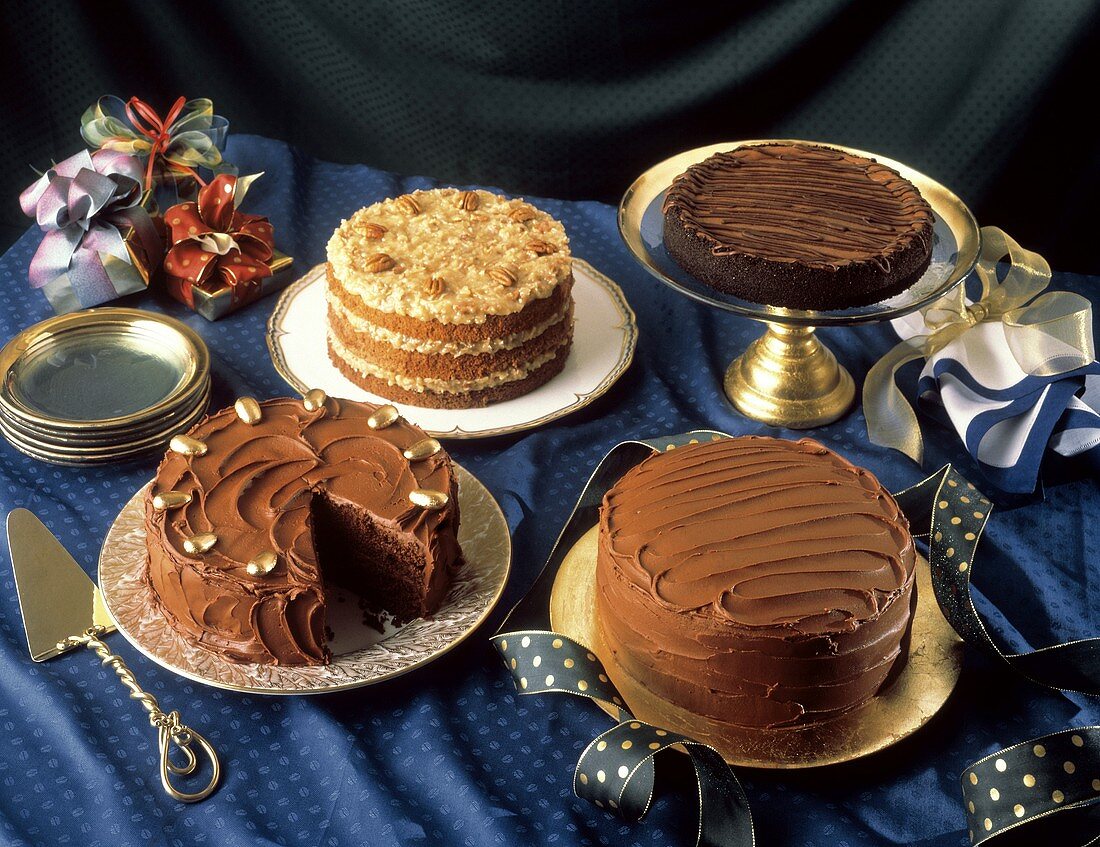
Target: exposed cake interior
[[356, 553]]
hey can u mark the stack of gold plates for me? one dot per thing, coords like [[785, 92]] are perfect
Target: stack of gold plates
[[102, 386]]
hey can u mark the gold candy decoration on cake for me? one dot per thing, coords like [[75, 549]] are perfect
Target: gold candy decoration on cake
[[424, 449], [505, 276], [379, 262], [373, 231], [468, 200], [248, 410], [187, 445], [200, 543], [383, 416], [407, 204], [314, 399], [428, 498], [170, 500], [263, 563]]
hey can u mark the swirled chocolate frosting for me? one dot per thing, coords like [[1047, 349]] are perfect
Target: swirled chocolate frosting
[[817, 206], [760, 581], [263, 487]]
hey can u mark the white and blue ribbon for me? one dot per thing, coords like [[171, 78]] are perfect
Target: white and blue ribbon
[[1013, 372]]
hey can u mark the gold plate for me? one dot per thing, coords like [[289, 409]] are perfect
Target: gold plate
[[81, 454], [150, 433], [151, 353], [604, 339], [955, 249], [487, 550], [113, 435], [922, 688]]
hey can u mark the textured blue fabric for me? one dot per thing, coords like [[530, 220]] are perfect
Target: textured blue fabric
[[450, 755]]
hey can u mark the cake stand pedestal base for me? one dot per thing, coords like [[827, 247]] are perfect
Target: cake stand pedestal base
[[788, 378]]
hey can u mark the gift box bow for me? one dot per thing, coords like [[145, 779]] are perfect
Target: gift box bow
[[189, 136], [214, 245], [1006, 367], [85, 204]]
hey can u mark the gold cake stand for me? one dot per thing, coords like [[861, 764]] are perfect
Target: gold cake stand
[[787, 377]]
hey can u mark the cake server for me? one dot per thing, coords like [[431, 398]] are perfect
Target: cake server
[[62, 610]]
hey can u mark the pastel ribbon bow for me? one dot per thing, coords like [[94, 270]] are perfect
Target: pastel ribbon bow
[[85, 204], [1047, 335], [190, 135], [214, 245]]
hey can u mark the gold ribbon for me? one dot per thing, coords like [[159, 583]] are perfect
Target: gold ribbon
[[1048, 335]]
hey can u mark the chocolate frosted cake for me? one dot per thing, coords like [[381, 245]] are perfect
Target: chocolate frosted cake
[[798, 225], [261, 504], [762, 582], [449, 299]]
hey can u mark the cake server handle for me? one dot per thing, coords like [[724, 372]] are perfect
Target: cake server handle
[[170, 730]]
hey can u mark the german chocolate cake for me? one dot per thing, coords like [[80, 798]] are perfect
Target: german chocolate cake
[[761, 582], [260, 505], [449, 299], [798, 225]]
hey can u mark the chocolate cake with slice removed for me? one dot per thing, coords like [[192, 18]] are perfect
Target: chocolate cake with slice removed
[[259, 505], [798, 225]]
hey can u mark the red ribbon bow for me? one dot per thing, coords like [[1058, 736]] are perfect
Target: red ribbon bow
[[214, 245], [157, 131]]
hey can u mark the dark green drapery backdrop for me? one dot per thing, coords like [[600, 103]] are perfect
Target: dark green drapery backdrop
[[573, 99]]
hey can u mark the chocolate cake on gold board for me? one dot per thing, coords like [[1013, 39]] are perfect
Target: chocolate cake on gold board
[[449, 299], [260, 504], [764, 583]]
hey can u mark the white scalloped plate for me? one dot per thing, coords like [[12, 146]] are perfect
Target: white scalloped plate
[[604, 337], [361, 655]]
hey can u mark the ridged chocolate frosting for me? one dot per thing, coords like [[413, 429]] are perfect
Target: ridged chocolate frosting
[[800, 203], [763, 582], [253, 488]]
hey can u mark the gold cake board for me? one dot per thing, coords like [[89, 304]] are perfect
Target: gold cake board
[[919, 691]]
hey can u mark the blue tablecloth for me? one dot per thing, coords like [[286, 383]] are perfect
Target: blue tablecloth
[[450, 755]]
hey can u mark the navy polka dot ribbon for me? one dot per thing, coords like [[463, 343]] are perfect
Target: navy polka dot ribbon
[[1032, 782], [1027, 784], [617, 771]]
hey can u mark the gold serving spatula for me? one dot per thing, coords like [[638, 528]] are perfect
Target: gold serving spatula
[[62, 610]]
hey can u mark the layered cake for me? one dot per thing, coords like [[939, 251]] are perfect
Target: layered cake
[[449, 299], [798, 225], [761, 582], [260, 505]]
